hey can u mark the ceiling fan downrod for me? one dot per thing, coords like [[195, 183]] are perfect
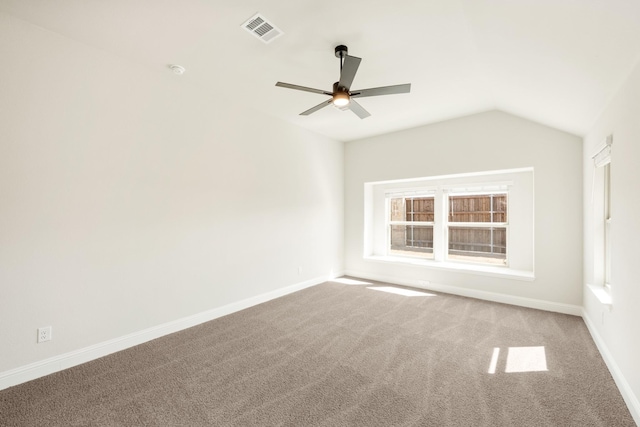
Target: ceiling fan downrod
[[341, 51]]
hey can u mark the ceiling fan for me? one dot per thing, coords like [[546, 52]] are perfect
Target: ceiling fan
[[342, 95]]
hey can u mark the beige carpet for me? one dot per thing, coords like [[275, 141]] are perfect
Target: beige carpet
[[342, 355]]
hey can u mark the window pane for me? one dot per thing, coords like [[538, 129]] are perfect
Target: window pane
[[607, 224], [419, 209], [478, 208], [397, 209], [480, 244], [412, 209], [412, 240]]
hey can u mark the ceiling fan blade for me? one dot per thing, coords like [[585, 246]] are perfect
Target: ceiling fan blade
[[303, 88], [358, 110], [349, 69], [316, 108], [384, 90]]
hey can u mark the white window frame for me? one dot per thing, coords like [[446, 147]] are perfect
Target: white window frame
[[607, 226], [602, 213], [440, 223], [404, 196], [451, 224]]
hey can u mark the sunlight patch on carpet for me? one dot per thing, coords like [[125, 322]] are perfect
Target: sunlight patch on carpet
[[401, 291], [345, 281], [494, 360], [526, 359], [520, 359]]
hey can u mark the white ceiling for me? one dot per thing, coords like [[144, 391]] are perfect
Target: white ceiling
[[552, 61]]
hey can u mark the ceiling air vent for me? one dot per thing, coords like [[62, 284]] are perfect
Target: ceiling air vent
[[260, 27]]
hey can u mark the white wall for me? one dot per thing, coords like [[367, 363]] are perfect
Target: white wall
[[482, 142], [616, 331], [129, 198]]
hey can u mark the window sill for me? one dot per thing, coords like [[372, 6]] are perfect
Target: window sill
[[483, 270], [603, 295]]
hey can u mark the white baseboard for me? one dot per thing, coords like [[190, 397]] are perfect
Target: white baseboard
[[625, 389], [474, 293], [64, 361]]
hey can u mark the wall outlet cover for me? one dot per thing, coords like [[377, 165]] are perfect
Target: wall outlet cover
[[44, 334]]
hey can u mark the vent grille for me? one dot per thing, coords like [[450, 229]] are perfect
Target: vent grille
[[262, 29]]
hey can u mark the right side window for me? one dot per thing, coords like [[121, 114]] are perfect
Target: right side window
[[607, 225], [601, 200], [477, 227]]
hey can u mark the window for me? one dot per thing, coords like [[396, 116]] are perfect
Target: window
[[477, 227], [411, 226], [607, 225], [478, 222], [601, 200]]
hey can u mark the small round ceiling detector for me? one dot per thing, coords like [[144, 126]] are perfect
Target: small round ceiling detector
[[177, 69]]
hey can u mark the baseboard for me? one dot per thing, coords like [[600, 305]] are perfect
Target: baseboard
[[64, 361], [625, 389], [574, 310]]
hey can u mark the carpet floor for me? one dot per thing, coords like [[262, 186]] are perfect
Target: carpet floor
[[338, 354]]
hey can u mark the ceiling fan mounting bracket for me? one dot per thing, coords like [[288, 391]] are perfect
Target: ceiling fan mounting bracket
[[341, 51]]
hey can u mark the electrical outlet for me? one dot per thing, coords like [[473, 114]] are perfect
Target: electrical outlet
[[44, 334], [299, 271]]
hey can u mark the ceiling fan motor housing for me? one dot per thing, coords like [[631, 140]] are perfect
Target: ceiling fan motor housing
[[337, 88]]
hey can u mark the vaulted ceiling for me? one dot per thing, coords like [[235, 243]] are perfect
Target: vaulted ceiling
[[556, 62]]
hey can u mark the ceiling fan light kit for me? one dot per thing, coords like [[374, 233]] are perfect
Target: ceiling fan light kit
[[341, 99], [342, 95]]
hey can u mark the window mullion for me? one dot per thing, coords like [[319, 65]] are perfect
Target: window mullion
[[440, 225]]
